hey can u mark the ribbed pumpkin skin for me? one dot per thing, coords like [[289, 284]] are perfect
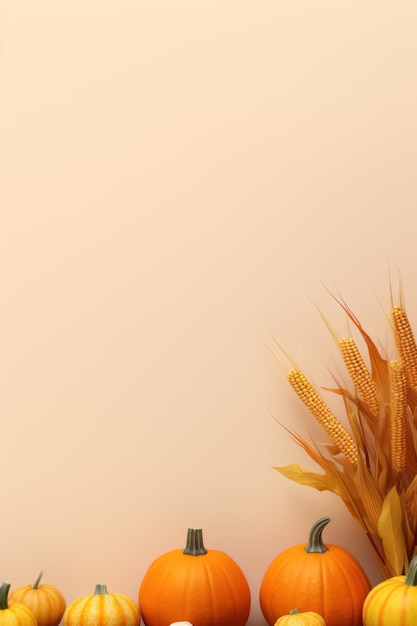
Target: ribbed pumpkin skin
[[14, 613], [308, 618], [45, 601], [17, 614], [325, 579], [206, 590], [102, 609], [391, 603]]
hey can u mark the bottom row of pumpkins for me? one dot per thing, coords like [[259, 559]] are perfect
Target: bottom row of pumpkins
[[309, 584]]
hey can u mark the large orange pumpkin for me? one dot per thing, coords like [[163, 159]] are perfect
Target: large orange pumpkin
[[14, 613], [327, 580], [45, 601], [393, 602], [204, 587], [102, 609]]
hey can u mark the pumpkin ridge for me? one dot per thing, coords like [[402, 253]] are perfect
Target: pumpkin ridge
[[48, 603], [161, 568], [118, 605], [90, 603], [182, 577], [286, 570], [387, 597], [353, 605], [226, 581], [300, 576], [359, 572], [322, 610], [209, 578], [188, 574], [387, 586], [320, 559], [125, 604]]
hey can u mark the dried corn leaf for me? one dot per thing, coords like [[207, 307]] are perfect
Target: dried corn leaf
[[369, 495], [390, 531], [410, 504], [296, 473]]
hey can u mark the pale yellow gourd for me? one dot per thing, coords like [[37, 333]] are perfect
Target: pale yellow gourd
[[295, 618]]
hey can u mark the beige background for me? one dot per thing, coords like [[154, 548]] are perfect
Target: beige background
[[177, 178]]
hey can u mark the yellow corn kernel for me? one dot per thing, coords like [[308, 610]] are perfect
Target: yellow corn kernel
[[406, 345], [359, 373], [398, 417], [323, 414]]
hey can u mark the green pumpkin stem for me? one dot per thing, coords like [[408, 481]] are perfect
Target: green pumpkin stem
[[294, 612], [100, 590], [315, 543], [194, 545], [38, 580], [4, 592], [411, 578]]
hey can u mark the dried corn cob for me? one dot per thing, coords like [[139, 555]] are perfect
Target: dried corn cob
[[406, 345], [323, 414], [398, 419], [359, 373]]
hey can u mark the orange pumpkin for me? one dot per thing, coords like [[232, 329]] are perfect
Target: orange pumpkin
[[204, 587], [14, 613], [101, 609], [45, 601], [327, 580]]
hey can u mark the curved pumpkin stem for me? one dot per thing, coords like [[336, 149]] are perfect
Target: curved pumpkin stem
[[4, 592], [411, 578], [194, 545], [294, 612], [100, 590], [38, 580], [315, 542]]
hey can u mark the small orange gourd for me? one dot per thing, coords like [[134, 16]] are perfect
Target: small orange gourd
[[14, 613], [45, 601], [327, 580], [295, 618], [393, 602], [101, 609], [204, 587]]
